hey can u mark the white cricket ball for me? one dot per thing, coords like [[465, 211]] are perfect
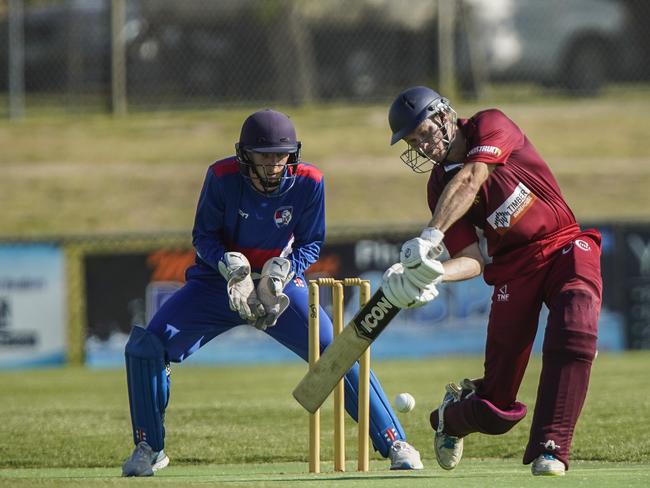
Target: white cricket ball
[[404, 402]]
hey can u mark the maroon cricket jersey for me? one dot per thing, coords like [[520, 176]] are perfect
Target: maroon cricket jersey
[[519, 208]]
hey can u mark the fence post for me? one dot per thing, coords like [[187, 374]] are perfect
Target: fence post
[[118, 57], [16, 59]]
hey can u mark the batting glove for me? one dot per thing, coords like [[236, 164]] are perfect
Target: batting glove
[[418, 257], [402, 292]]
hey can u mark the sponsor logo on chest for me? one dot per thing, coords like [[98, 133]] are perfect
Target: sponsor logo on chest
[[512, 209], [283, 216]]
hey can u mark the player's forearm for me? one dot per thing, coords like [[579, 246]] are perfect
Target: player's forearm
[[209, 249], [451, 208], [461, 268], [304, 256], [458, 195]]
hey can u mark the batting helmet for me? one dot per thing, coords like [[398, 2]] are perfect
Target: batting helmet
[[411, 107]]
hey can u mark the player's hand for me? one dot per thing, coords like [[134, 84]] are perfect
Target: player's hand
[[276, 273], [401, 291], [419, 259], [236, 270]]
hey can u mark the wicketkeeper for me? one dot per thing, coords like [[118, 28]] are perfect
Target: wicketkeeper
[[259, 225]]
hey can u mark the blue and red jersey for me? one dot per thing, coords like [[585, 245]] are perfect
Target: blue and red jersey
[[232, 216]]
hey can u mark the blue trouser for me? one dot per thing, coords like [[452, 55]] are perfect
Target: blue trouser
[[199, 312]]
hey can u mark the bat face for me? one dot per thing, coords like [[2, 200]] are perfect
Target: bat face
[[344, 351]]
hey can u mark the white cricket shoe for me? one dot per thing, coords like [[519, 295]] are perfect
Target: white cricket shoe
[[144, 461], [448, 449], [547, 465], [403, 455]]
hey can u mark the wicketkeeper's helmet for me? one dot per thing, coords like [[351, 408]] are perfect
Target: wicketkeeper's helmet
[[268, 131]]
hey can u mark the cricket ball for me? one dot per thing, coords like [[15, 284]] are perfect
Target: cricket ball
[[404, 402]]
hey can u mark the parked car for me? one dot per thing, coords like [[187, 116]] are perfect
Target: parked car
[[577, 44], [67, 46]]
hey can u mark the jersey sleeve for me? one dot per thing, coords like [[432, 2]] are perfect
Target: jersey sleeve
[[208, 222], [460, 235], [309, 234], [493, 139]]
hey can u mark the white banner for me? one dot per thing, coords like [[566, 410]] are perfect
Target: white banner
[[32, 305]]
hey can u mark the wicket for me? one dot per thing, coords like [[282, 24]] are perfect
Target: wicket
[[337, 287]]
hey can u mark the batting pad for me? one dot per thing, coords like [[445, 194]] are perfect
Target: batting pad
[[148, 384], [385, 427]]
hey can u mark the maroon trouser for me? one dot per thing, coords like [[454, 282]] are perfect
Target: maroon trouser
[[570, 285]]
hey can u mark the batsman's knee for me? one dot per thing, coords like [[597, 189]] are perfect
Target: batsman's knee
[[573, 324]]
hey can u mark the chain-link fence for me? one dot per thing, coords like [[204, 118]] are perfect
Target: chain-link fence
[[103, 54]]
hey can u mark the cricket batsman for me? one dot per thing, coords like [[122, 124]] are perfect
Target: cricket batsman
[[487, 176], [259, 224]]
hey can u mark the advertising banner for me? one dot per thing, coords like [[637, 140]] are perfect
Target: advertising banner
[[32, 305], [126, 289], [637, 286]]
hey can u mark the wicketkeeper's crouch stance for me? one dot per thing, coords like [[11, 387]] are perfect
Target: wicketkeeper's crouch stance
[[261, 214], [487, 175]]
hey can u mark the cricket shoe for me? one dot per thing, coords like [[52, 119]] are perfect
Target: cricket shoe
[[403, 455], [547, 465], [449, 449], [144, 461]]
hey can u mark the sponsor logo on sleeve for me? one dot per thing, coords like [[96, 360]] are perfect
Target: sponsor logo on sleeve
[[491, 150], [513, 209]]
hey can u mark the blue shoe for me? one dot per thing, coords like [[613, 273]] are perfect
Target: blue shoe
[[144, 461]]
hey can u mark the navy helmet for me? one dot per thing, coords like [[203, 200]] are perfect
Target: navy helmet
[[268, 131], [410, 108]]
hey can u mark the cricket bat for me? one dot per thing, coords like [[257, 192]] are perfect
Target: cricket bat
[[344, 351]]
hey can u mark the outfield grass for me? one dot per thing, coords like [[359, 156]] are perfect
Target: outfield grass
[[79, 174], [239, 426]]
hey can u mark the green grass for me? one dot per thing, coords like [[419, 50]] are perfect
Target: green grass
[[478, 473], [239, 426], [84, 173]]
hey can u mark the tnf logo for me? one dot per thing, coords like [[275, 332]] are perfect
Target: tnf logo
[[503, 295]]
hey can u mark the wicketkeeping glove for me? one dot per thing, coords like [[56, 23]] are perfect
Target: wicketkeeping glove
[[235, 268], [276, 273], [401, 291]]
